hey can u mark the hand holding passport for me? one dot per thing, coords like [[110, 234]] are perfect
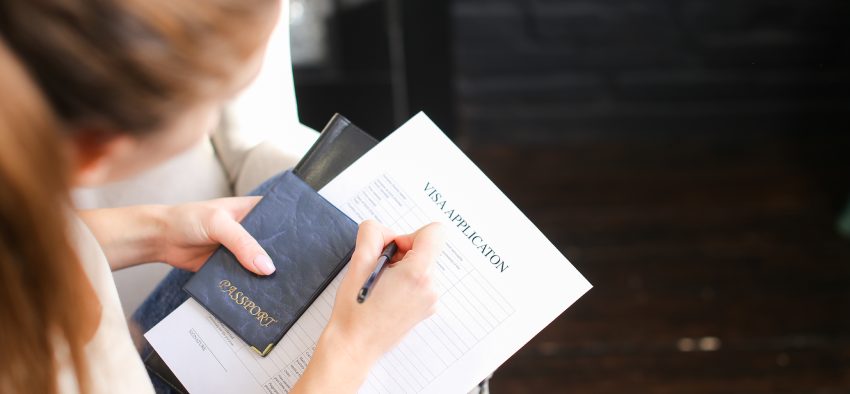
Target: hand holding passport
[[309, 241], [339, 144]]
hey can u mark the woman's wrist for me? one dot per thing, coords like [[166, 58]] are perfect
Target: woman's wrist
[[350, 347], [129, 235], [337, 364]]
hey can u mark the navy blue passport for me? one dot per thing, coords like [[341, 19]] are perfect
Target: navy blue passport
[[309, 241]]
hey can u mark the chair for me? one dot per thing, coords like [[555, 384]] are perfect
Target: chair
[[260, 135]]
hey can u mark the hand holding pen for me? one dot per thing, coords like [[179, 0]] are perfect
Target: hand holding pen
[[401, 298]]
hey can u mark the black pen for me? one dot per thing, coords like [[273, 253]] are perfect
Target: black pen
[[383, 262]]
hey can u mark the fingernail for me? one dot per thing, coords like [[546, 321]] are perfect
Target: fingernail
[[264, 264]]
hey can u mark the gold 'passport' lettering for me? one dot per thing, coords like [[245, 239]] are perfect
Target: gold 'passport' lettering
[[243, 300]]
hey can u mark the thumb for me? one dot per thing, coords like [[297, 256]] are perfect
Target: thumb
[[226, 230]]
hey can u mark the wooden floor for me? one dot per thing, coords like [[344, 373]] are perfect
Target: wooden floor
[[715, 261]]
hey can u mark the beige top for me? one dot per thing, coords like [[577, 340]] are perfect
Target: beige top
[[114, 363]]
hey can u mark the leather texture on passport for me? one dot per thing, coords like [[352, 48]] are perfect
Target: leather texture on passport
[[340, 144], [309, 241]]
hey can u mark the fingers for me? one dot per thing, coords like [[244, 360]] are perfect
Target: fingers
[[422, 247], [226, 230], [419, 250], [372, 237]]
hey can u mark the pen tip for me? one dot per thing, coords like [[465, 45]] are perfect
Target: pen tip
[[362, 296]]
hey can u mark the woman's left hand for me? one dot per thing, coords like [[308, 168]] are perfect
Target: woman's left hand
[[183, 236], [194, 230]]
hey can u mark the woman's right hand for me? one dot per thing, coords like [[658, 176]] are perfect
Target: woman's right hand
[[358, 334]]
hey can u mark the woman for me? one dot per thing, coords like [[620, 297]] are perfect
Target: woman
[[97, 90]]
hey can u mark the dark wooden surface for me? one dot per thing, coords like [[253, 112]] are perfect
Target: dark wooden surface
[[533, 69], [687, 235]]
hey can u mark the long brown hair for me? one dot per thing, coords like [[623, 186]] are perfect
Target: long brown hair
[[115, 66], [44, 291]]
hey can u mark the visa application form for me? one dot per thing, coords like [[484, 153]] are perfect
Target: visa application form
[[499, 279]]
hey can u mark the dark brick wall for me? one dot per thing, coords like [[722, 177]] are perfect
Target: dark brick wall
[[537, 70]]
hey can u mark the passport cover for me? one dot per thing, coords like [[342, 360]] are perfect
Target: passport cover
[[308, 239], [340, 144]]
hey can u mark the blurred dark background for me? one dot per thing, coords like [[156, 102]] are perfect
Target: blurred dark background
[[690, 157]]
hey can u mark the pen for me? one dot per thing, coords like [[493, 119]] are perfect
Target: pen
[[383, 262]]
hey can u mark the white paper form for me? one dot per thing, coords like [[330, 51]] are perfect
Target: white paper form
[[500, 281]]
